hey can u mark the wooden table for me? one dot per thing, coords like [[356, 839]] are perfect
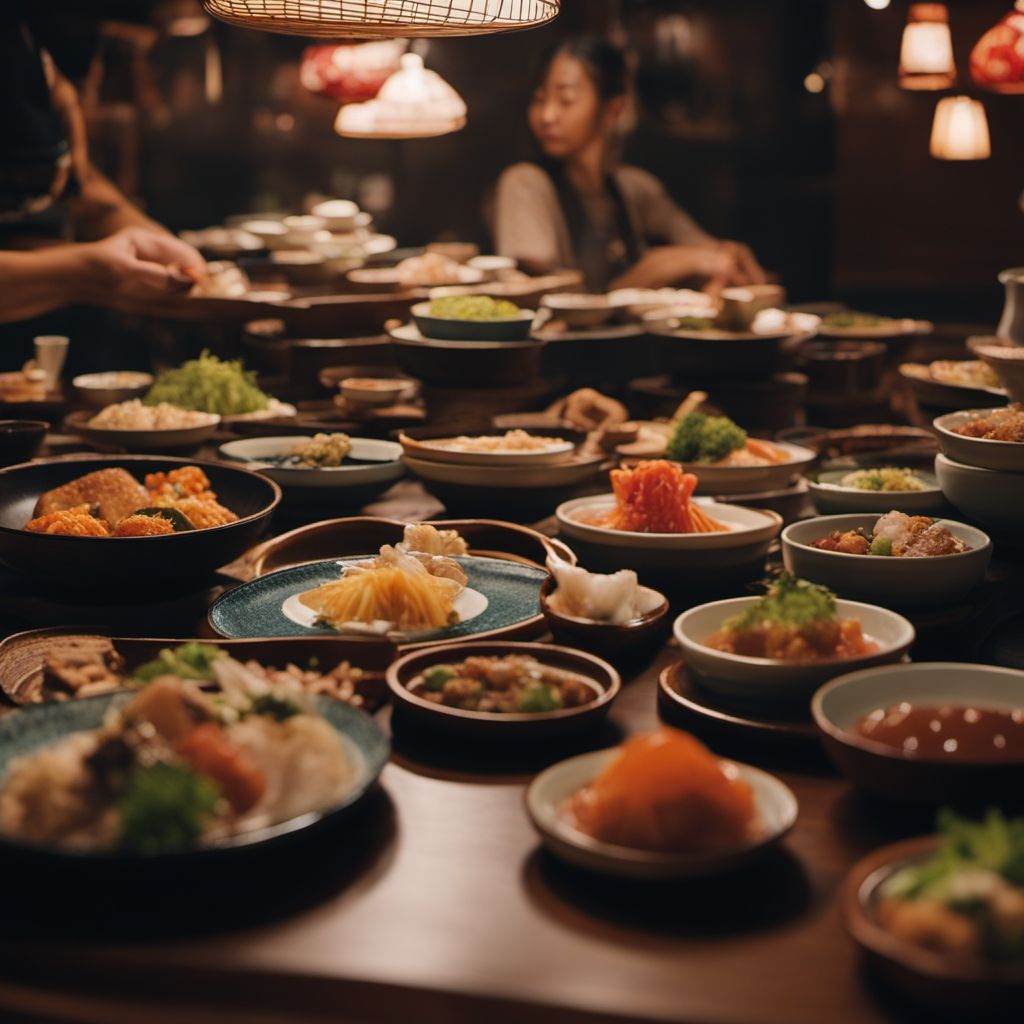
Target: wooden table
[[442, 907]]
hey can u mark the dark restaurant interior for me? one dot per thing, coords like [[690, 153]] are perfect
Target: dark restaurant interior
[[511, 509]]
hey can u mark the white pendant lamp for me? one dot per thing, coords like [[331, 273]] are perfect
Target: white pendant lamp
[[926, 55], [379, 19], [414, 103], [960, 130]]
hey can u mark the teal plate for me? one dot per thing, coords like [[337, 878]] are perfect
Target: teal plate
[[40, 725], [512, 589]]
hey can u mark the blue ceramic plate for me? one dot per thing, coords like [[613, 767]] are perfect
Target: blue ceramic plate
[[502, 597], [43, 724]]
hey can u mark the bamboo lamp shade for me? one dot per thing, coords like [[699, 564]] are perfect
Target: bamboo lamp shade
[[384, 19]]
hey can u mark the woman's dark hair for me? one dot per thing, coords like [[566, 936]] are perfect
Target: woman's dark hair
[[605, 63]]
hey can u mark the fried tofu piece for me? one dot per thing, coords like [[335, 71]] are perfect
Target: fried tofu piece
[[143, 526], [115, 492], [202, 513], [72, 522]]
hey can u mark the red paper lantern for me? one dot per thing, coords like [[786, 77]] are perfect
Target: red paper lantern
[[997, 61], [350, 73]]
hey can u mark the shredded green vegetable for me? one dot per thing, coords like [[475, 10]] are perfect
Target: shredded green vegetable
[[473, 307], [189, 661], [789, 602], [209, 384], [164, 808]]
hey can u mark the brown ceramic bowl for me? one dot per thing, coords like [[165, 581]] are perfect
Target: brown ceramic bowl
[[19, 439], [963, 989], [487, 726], [893, 774], [606, 638]]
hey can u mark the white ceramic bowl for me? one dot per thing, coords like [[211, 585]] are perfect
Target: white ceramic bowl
[[703, 561], [899, 582], [776, 806], [385, 455], [370, 391], [442, 449], [832, 498], [99, 390], [767, 679], [750, 479], [561, 474], [579, 310], [337, 214], [975, 451], [987, 496]]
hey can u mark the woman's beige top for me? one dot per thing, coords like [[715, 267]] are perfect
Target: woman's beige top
[[529, 224]]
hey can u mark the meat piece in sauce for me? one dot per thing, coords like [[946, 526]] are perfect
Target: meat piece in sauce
[[849, 543]]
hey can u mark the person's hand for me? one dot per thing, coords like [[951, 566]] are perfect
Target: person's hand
[[747, 269], [137, 269], [670, 264]]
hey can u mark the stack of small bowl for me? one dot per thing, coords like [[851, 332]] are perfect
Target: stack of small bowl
[[984, 479]]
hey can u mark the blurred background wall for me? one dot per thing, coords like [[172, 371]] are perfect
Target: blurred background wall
[[779, 123]]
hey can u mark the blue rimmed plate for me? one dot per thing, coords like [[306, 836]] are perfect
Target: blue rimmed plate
[[502, 599], [41, 725]]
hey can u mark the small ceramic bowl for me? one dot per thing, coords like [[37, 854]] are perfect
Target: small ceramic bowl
[[1008, 362], [895, 774], [768, 680], [776, 806], [991, 497], [606, 637], [20, 439], [98, 390], [961, 988], [515, 328], [577, 310], [898, 582], [486, 726], [1007, 456], [832, 497], [371, 391]]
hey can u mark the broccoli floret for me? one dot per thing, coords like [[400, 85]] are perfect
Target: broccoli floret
[[435, 678], [164, 807], [702, 438], [790, 602], [539, 698], [189, 661]]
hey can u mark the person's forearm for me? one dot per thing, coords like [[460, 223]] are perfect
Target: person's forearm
[[33, 283], [102, 209]]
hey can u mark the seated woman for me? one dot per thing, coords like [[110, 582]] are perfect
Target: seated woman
[[616, 224]]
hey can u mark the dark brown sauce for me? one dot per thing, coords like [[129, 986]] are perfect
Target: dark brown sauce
[[954, 732]]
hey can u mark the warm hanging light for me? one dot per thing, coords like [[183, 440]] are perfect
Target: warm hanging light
[[997, 61], [350, 72], [926, 56], [414, 103], [384, 19], [960, 130]]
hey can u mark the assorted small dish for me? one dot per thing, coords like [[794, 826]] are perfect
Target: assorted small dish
[[977, 446], [110, 387], [520, 692], [20, 439], [946, 384], [578, 311], [932, 732], [596, 811], [870, 486], [1008, 363], [836, 551], [121, 434], [854, 324], [472, 318]]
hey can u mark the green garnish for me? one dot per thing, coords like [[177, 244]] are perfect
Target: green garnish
[[702, 438], [693, 323], [209, 384], [854, 318], [881, 546], [473, 307], [189, 661], [789, 602], [164, 808], [539, 698], [435, 678], [272, 706]]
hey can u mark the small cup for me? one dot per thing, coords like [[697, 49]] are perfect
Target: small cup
[[51, 351]]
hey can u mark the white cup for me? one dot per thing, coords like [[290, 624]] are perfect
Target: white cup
[[51, 351]]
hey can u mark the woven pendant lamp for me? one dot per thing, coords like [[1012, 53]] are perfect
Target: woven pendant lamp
[[384, 19]]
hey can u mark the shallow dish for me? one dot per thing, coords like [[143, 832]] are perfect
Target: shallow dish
[[515, 328], [443, 449], [987, 496], [899, 582], [500, 600], [747, 479], [485, 725], [102, 389], [769, 680], [373, 462], [390, 278], [577, 310], [374, 390], [171, 440], [44, 724], [132, 565], [795, 325], [945, 394], [833, 498], [275, 409], [891, 329], [776, 805], [976, 451], [606, 638], [894, 774], [973, 989], [20, 439], [578, 469]]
